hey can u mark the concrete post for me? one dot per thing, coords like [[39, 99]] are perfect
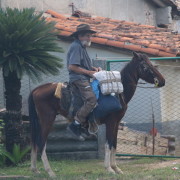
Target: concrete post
[[101, 141]]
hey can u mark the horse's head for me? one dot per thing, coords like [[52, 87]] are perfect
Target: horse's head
[[147, 71]]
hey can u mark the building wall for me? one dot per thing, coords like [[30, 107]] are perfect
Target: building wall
[[170, 100], [176, 25], [140, 11]]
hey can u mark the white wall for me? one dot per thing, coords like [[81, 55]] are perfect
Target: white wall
[[140, 11], [170, 100], [176, 25]]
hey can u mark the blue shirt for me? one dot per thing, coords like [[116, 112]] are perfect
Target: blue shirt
[[77, 55]]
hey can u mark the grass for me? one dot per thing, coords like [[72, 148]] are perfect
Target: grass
[[135, 169]]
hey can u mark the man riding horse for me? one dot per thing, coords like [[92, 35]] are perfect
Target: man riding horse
[[80, 72]]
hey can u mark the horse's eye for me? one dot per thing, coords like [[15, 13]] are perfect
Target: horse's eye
[[144, 68]]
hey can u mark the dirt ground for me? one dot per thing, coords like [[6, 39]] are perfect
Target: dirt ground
[[163, 164]]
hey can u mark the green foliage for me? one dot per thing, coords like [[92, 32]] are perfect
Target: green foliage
[[27, 42], [1, 124], [16, 156], [1, 131], [2, 156]]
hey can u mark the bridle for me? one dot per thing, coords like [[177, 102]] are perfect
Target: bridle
[[143, 66]]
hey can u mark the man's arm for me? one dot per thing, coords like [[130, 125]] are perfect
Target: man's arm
[[97, 69], [77, 69]]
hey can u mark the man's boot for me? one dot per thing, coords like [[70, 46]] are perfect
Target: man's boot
[[75, 130]]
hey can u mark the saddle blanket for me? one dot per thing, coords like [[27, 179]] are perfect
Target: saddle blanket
[[71, 101]]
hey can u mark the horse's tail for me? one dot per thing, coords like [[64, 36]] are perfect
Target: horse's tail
[[36, 136]]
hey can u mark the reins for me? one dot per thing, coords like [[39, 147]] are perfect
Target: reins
[[145, 87], [142, 86]]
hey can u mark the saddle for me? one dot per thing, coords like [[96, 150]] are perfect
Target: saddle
[[71, 102]]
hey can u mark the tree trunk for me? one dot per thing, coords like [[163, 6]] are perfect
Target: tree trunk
[[12, 118]]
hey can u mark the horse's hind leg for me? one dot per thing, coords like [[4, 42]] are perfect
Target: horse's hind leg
[[34, 159], [46, 116], [46, 163]]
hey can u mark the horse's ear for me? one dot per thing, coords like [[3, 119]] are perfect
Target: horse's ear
[[135, 54]]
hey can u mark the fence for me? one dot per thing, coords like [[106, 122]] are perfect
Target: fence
[[137, 138]]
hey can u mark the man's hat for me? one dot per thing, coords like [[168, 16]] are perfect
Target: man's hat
[[82, 28]]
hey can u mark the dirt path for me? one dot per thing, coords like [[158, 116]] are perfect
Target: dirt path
[[172, 163]]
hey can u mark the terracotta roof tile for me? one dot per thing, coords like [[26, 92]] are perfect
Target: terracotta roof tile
[[147, 26], [133, 47], [107, 36], [65, 28], [115, 43], [122, 34], [65, 33], [55, 14], [142, 42], [99, 40], [150, 51], [165, 54], [125, 39]]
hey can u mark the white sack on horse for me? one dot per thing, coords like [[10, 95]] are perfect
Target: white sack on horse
[[110, 82]]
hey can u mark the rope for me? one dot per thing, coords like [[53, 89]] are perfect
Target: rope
[[147, 87], [144, 87], [116, 82]]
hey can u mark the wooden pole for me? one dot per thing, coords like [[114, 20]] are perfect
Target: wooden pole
[[153, 133]]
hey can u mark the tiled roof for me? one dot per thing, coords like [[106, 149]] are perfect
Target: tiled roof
[[122, 34]]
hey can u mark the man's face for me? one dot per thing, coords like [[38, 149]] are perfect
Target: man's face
[[85, 39]]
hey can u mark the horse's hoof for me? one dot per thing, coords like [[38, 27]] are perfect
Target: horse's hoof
[[117, 170], [52, 175], [34, 170], [110, 170]]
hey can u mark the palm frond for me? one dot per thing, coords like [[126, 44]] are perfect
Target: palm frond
[[27, 42]]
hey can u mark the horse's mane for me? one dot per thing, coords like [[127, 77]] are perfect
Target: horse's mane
[[131, 66]]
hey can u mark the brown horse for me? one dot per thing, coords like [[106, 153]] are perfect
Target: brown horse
[[44, 106]]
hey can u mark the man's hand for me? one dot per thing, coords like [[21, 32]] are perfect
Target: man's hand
[[79, 70], [90, 73], [97, 69]]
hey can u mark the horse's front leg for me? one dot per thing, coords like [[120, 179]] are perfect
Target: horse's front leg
[[113, 152], [46, 163], [113, 162], [107, 160]]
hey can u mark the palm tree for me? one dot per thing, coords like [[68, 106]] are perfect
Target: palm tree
[[27, 41]]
